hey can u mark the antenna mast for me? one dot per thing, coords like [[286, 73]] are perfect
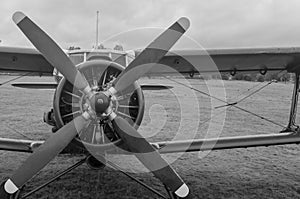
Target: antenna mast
[[97, 30]]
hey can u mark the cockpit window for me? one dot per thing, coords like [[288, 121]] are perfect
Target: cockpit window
[[77, 58], [110, 55], [98, 55]]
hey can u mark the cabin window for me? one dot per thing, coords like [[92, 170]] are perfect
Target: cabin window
[[77, 58], [98, 55]]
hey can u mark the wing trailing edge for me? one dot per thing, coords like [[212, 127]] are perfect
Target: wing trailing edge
[[36, 85]]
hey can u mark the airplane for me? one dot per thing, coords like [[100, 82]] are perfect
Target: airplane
[[103, 80]]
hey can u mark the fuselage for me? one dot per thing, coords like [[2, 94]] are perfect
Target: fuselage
[[82, 55]]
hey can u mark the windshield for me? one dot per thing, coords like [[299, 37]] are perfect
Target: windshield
[[77, 58]]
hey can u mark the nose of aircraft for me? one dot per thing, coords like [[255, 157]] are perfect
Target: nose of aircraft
[[100, 102]]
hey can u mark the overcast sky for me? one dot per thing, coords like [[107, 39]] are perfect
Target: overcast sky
[[214, 23]]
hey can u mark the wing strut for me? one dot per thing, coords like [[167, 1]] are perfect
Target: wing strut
[[292, 127]]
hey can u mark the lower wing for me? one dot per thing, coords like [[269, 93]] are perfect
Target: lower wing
[[180, 146]]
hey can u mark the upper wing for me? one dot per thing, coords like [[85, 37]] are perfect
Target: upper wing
[[24, 60], [230, 60]]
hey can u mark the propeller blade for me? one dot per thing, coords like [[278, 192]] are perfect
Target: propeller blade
[[51, 51], [143, 150], [152, 54], [44, 154]]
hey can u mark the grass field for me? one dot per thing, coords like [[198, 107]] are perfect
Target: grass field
[[263, 172]]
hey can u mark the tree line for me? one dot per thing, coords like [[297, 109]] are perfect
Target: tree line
[[278, 76]]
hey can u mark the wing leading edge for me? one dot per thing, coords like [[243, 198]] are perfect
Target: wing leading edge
[[19, 145]]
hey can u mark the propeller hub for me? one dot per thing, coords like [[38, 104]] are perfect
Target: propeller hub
[[100, 102]]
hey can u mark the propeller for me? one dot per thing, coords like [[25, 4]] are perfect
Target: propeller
[[136, 143]]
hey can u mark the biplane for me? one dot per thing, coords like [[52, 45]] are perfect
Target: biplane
[[98, 104]]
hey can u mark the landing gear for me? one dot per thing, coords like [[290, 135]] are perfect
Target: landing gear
[[96, 163]]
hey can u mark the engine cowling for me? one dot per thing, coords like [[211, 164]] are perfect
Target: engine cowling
[[69, 102]]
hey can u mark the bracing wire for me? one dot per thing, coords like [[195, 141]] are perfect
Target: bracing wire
[[18, 132], [6, 82], [227, 104], [252, 93], [13, 79]]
